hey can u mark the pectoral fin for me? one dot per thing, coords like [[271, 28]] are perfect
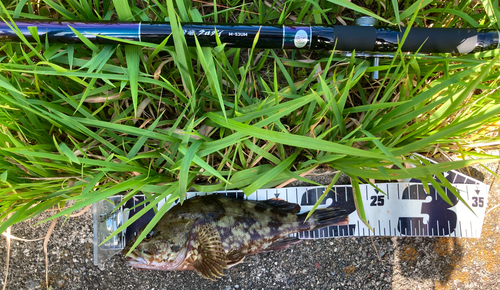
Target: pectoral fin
[[282, 244], [210, 257], [234, 258]]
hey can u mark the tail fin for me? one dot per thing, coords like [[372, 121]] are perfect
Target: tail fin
[[324, 217]]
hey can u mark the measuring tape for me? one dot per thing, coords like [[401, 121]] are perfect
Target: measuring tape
[[402, 209]]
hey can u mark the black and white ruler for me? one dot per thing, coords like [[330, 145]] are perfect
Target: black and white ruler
[[402, 209]]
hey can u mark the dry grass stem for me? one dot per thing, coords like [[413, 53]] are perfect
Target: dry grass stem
[[45, 243], [80, 213], [294, 179], [95, 100]]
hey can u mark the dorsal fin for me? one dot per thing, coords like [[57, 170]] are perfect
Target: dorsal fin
[[210, 257], [283, 205]]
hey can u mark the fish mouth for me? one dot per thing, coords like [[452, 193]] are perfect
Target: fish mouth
[[138, 262], [133, 256], [141, 262], [145, 264], [135, 259]]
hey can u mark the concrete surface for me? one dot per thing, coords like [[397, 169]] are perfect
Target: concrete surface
[[341, 263]]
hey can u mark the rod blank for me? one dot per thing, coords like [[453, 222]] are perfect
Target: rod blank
[[345, 38]]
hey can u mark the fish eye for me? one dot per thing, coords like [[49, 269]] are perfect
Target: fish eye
[[149, 235]]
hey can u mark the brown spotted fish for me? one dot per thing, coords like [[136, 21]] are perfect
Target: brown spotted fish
[[212, 233]]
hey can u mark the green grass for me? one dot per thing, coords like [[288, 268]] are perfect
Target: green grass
[[84, 122]]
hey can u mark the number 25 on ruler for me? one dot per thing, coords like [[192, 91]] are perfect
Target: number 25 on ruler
[[377, 200]]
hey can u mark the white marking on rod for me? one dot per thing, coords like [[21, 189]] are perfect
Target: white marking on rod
[[310, 36], [139, 31], [283, 42], [498, 31]]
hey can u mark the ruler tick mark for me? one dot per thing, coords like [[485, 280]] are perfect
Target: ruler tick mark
[[297, 196]]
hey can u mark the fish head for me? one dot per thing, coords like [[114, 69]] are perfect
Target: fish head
[[163, 248]]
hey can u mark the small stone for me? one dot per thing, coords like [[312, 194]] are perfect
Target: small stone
[[317, 265], [236, 286], [228, 288]]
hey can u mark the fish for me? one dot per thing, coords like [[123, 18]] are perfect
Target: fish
[[212, 233]]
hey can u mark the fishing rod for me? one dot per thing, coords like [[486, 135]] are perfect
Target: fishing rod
[[362, 37]]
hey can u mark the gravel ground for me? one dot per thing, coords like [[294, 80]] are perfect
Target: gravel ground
[[340, 263]]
